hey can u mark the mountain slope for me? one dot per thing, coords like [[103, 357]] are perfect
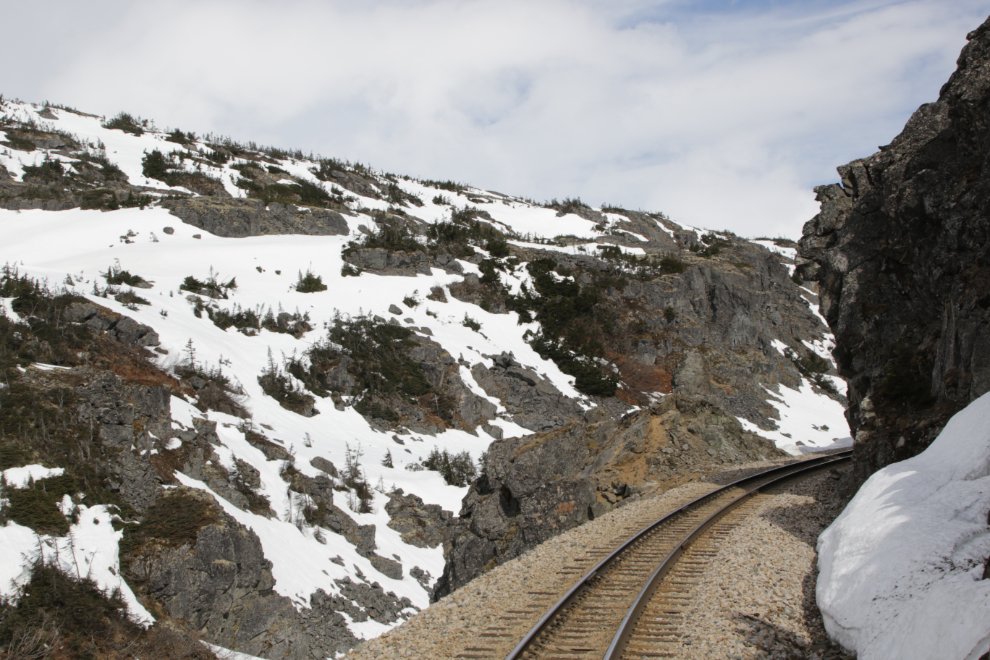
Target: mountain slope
[[332, 351]]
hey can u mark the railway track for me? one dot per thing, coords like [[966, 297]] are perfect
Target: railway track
[[630, 603]]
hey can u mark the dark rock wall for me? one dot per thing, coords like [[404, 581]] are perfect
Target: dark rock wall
[[901, 254], [237, 218]]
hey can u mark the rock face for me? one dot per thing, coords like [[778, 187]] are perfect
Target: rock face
[[122, 328], [389, 262], [900, 250], [532, 400], [237, 218], [538, 486], [420, 524], [222, 585]]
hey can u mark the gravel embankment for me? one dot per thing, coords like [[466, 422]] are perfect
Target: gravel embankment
[[758, 598], [478, 616]]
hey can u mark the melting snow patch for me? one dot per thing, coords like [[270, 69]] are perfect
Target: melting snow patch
[[901, 567]]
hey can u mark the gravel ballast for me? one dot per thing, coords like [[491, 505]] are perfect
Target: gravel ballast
[[488, 616]]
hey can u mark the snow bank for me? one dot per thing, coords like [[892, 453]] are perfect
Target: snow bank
[[901, 567]]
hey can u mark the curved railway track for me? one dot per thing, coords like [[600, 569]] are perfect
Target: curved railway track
[[630, 604]]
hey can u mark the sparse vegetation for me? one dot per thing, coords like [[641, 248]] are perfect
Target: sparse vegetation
[[573, 326], [49, 171], [352, 476], [64, 616], [449, 186], [310, 283], [567, 206], [813, 367], [130, 299], [212, 287], [172, 521], [640, 268], [456, 469], [390, 236], [125, 122], [116, 275], [279, 385]]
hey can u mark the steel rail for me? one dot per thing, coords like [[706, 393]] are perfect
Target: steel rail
[[580, 585], [628, 625]]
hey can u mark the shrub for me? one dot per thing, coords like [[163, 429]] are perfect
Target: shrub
[[813, 367], [280, 387], [572, 327], [155, 166], [217, 156], [67, 607], [212, 287], [669, 314], [469, 322], [449, 186], [37, 506], [456, 469], [567, 206], [172, 521], [310, 283], [389, 236], [440, 200], [410, 302], [130, 299], [49, 171], [672, 265], [378, 361], [127, 123], [179, 137], [498, 247]]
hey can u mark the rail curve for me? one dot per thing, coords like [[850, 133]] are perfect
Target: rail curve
[[627, 604]]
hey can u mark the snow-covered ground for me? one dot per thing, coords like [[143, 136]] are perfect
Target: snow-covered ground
[[901, 568]]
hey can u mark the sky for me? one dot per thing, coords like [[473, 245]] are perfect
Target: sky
[[722, 114]]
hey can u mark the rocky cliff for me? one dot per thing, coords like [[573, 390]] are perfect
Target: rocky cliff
[[900, 250]]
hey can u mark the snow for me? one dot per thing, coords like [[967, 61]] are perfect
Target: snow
[[816, 421], [788, 252], [227, 654], [901, 567], [88, 551], [20, 477], [780, 346]]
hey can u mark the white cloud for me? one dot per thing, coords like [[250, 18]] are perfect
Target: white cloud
[[720, 119]]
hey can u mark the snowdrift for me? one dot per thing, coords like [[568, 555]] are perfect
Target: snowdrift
[[902, 566]]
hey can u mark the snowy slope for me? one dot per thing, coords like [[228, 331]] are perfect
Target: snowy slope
[[73, 247], [902, 566]]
